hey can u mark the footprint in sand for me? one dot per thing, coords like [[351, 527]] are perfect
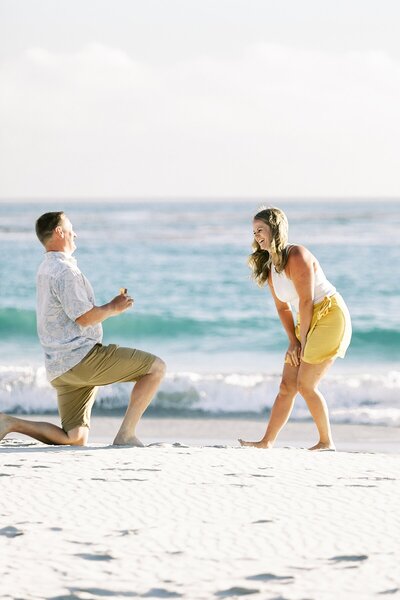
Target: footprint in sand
[[236, 591], [241, 485], [124, 532], [149, 469], [166, 445], [11, 532], [98, 592], [359, 485], [216, 446], [65, 597], [99, 557], [349, 558], [260, 521], [17, 443], [271, 577], [161, 593]]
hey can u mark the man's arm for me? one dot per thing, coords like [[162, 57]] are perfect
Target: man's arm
[[98, 314]]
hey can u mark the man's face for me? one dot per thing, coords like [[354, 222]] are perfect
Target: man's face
[[69, 235]]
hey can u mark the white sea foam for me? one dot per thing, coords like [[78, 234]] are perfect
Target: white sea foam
[[352, 398]]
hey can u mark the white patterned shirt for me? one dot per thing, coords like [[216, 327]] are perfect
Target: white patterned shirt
[[63, 295]]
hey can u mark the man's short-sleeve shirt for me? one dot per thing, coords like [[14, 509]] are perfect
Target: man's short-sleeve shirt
[[63, 295]]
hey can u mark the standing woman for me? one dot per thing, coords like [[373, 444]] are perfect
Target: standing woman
[[322, 331]]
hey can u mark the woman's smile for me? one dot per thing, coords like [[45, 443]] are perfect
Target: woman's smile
[[262, 234]]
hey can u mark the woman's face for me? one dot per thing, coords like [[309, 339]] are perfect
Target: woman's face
[[262, 234]]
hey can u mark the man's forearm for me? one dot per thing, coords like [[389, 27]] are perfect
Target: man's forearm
[[96, 315]]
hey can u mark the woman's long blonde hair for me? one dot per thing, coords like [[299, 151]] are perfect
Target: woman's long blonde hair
[[260, 261]]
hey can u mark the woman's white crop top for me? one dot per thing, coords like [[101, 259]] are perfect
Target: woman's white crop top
[[286, 292]]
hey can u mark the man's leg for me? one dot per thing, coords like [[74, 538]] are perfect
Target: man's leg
[[74, 406], [42, 431], [141, 396]]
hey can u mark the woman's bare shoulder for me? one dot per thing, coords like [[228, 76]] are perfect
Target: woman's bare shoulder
[[299, 257], [298, 251]]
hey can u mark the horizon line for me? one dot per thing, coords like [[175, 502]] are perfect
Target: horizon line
[[138, 199]]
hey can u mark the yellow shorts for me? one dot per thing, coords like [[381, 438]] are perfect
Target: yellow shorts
[[330, 331], [103, 365]]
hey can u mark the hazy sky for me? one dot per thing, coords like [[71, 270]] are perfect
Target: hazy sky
[[175, 98]]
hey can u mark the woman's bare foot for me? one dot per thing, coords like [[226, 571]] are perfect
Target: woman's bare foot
[[132, 441], [324, 447], [260, 444], [5, 422]]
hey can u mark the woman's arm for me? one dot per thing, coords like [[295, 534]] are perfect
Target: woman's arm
[[300, 269], [286, 317]]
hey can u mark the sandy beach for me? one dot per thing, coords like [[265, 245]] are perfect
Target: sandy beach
[[201, 520]]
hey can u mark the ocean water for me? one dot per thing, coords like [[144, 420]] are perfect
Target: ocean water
[[197, 307]]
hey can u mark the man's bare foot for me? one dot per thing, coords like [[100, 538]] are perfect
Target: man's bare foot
[[5, 422], [132, 441], [260, 444], [324, 447]]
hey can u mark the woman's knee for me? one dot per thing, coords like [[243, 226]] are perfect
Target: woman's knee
[[287, 389], [305, 387]]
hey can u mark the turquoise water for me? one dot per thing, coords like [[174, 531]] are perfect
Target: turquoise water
[[196, 307]]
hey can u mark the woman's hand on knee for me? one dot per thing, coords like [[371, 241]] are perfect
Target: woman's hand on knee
[[293, 354]]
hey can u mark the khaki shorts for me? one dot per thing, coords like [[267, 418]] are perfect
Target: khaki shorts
[[103, 365]]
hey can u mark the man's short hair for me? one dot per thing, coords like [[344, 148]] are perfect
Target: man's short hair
[[46, 224]]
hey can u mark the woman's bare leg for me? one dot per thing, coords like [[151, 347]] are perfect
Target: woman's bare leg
[[281, 408], [308, 379]]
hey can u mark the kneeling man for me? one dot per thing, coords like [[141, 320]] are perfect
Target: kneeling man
[[70, 331]]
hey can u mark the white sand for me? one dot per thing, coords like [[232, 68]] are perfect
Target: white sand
[[197, 522]]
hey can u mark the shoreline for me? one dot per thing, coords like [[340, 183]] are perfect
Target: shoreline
[[206, 431]]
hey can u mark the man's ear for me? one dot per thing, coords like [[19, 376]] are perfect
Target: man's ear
[[59, 231]]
